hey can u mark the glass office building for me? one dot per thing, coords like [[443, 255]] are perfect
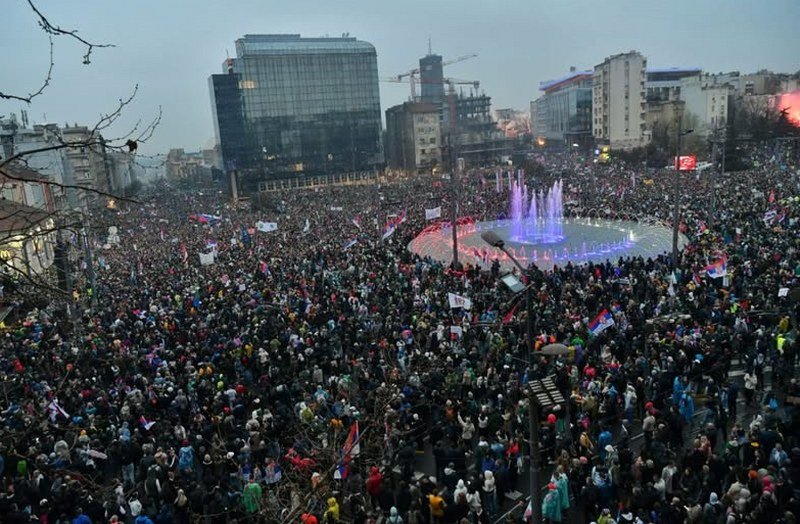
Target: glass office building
[[564, 113], [304, 105]]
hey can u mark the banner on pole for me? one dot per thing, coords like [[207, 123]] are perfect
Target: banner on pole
[[436, 212], [266, 227], [457, 301]]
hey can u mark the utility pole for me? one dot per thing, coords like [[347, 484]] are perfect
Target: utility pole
[[491, 238], [87, 246], [676, 194], [675, 199], [713, 184], [458, 166]]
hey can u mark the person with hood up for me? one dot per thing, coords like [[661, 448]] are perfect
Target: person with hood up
[[332, 513], [394, 517], [308, 518], [374, 484], [461, 490], [713, 509], [489, 492], [251, 496], [551, 505], [562, 487]]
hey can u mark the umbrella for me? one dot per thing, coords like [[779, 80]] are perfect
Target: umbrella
[[554, 350]]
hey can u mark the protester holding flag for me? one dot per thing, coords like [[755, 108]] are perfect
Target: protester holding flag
[[279, 365]]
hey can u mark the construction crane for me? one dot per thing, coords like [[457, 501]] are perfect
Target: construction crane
[[412, 74], [446, 81]]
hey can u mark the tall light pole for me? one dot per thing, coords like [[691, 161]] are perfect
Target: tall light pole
[[676, 196], [458, 167], [494, 240]]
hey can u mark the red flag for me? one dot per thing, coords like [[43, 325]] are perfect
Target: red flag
[[772, 196], [507, 318]]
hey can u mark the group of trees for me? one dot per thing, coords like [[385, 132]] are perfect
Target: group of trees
[[63, 223], [750, 120]]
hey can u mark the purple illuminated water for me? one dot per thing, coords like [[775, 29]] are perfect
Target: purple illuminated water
[[538, 219]]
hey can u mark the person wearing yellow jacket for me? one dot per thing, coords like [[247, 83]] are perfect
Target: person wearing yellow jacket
[[332, 513]]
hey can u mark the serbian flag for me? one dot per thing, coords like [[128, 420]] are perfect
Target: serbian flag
[[357, 221], [696, 279], [262, 266], [55, 410], [718, 269], [771, 196], [601, 322], [206, 218], [401, 217], [388, 230], [146, 424], [350, 449]]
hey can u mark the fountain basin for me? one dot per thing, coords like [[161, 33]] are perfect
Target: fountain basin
[[581, 240]]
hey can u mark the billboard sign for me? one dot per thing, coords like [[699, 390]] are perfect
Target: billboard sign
[[686, 163]]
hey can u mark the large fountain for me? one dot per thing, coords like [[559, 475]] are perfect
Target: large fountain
[[535, 231], [540, 219]]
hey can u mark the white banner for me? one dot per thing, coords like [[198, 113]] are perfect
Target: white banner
[[266, 227], [337, 208], [457, 301], [206, 259], [457, 331], [436, 212]]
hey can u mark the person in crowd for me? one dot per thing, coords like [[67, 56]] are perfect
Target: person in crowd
[[317, 373]]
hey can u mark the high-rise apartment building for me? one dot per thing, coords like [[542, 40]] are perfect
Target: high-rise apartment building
[[88, 161], [288, 104], [618, 96]]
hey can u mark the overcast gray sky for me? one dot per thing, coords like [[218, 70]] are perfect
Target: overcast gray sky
[[170, 47]]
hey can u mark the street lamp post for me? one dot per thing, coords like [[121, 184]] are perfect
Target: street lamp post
[[676, 197], [494, 240], [455, 173]]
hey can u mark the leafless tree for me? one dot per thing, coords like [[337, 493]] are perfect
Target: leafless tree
[[34, 226]]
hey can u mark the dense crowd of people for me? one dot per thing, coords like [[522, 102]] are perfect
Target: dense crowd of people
[[310, 373]]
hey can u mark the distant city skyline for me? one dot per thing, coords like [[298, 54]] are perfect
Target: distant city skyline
[[170, 49]]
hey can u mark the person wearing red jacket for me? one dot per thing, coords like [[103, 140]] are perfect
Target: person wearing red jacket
[[374, 483]]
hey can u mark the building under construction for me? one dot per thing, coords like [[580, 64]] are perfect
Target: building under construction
[[477, 138], [472, 132]]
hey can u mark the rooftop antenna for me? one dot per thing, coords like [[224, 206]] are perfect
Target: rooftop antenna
[[430, 52]]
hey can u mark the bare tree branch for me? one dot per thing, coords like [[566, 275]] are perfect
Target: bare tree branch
[[94, 139], [100, 192], [27, 99], [50, 29]]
